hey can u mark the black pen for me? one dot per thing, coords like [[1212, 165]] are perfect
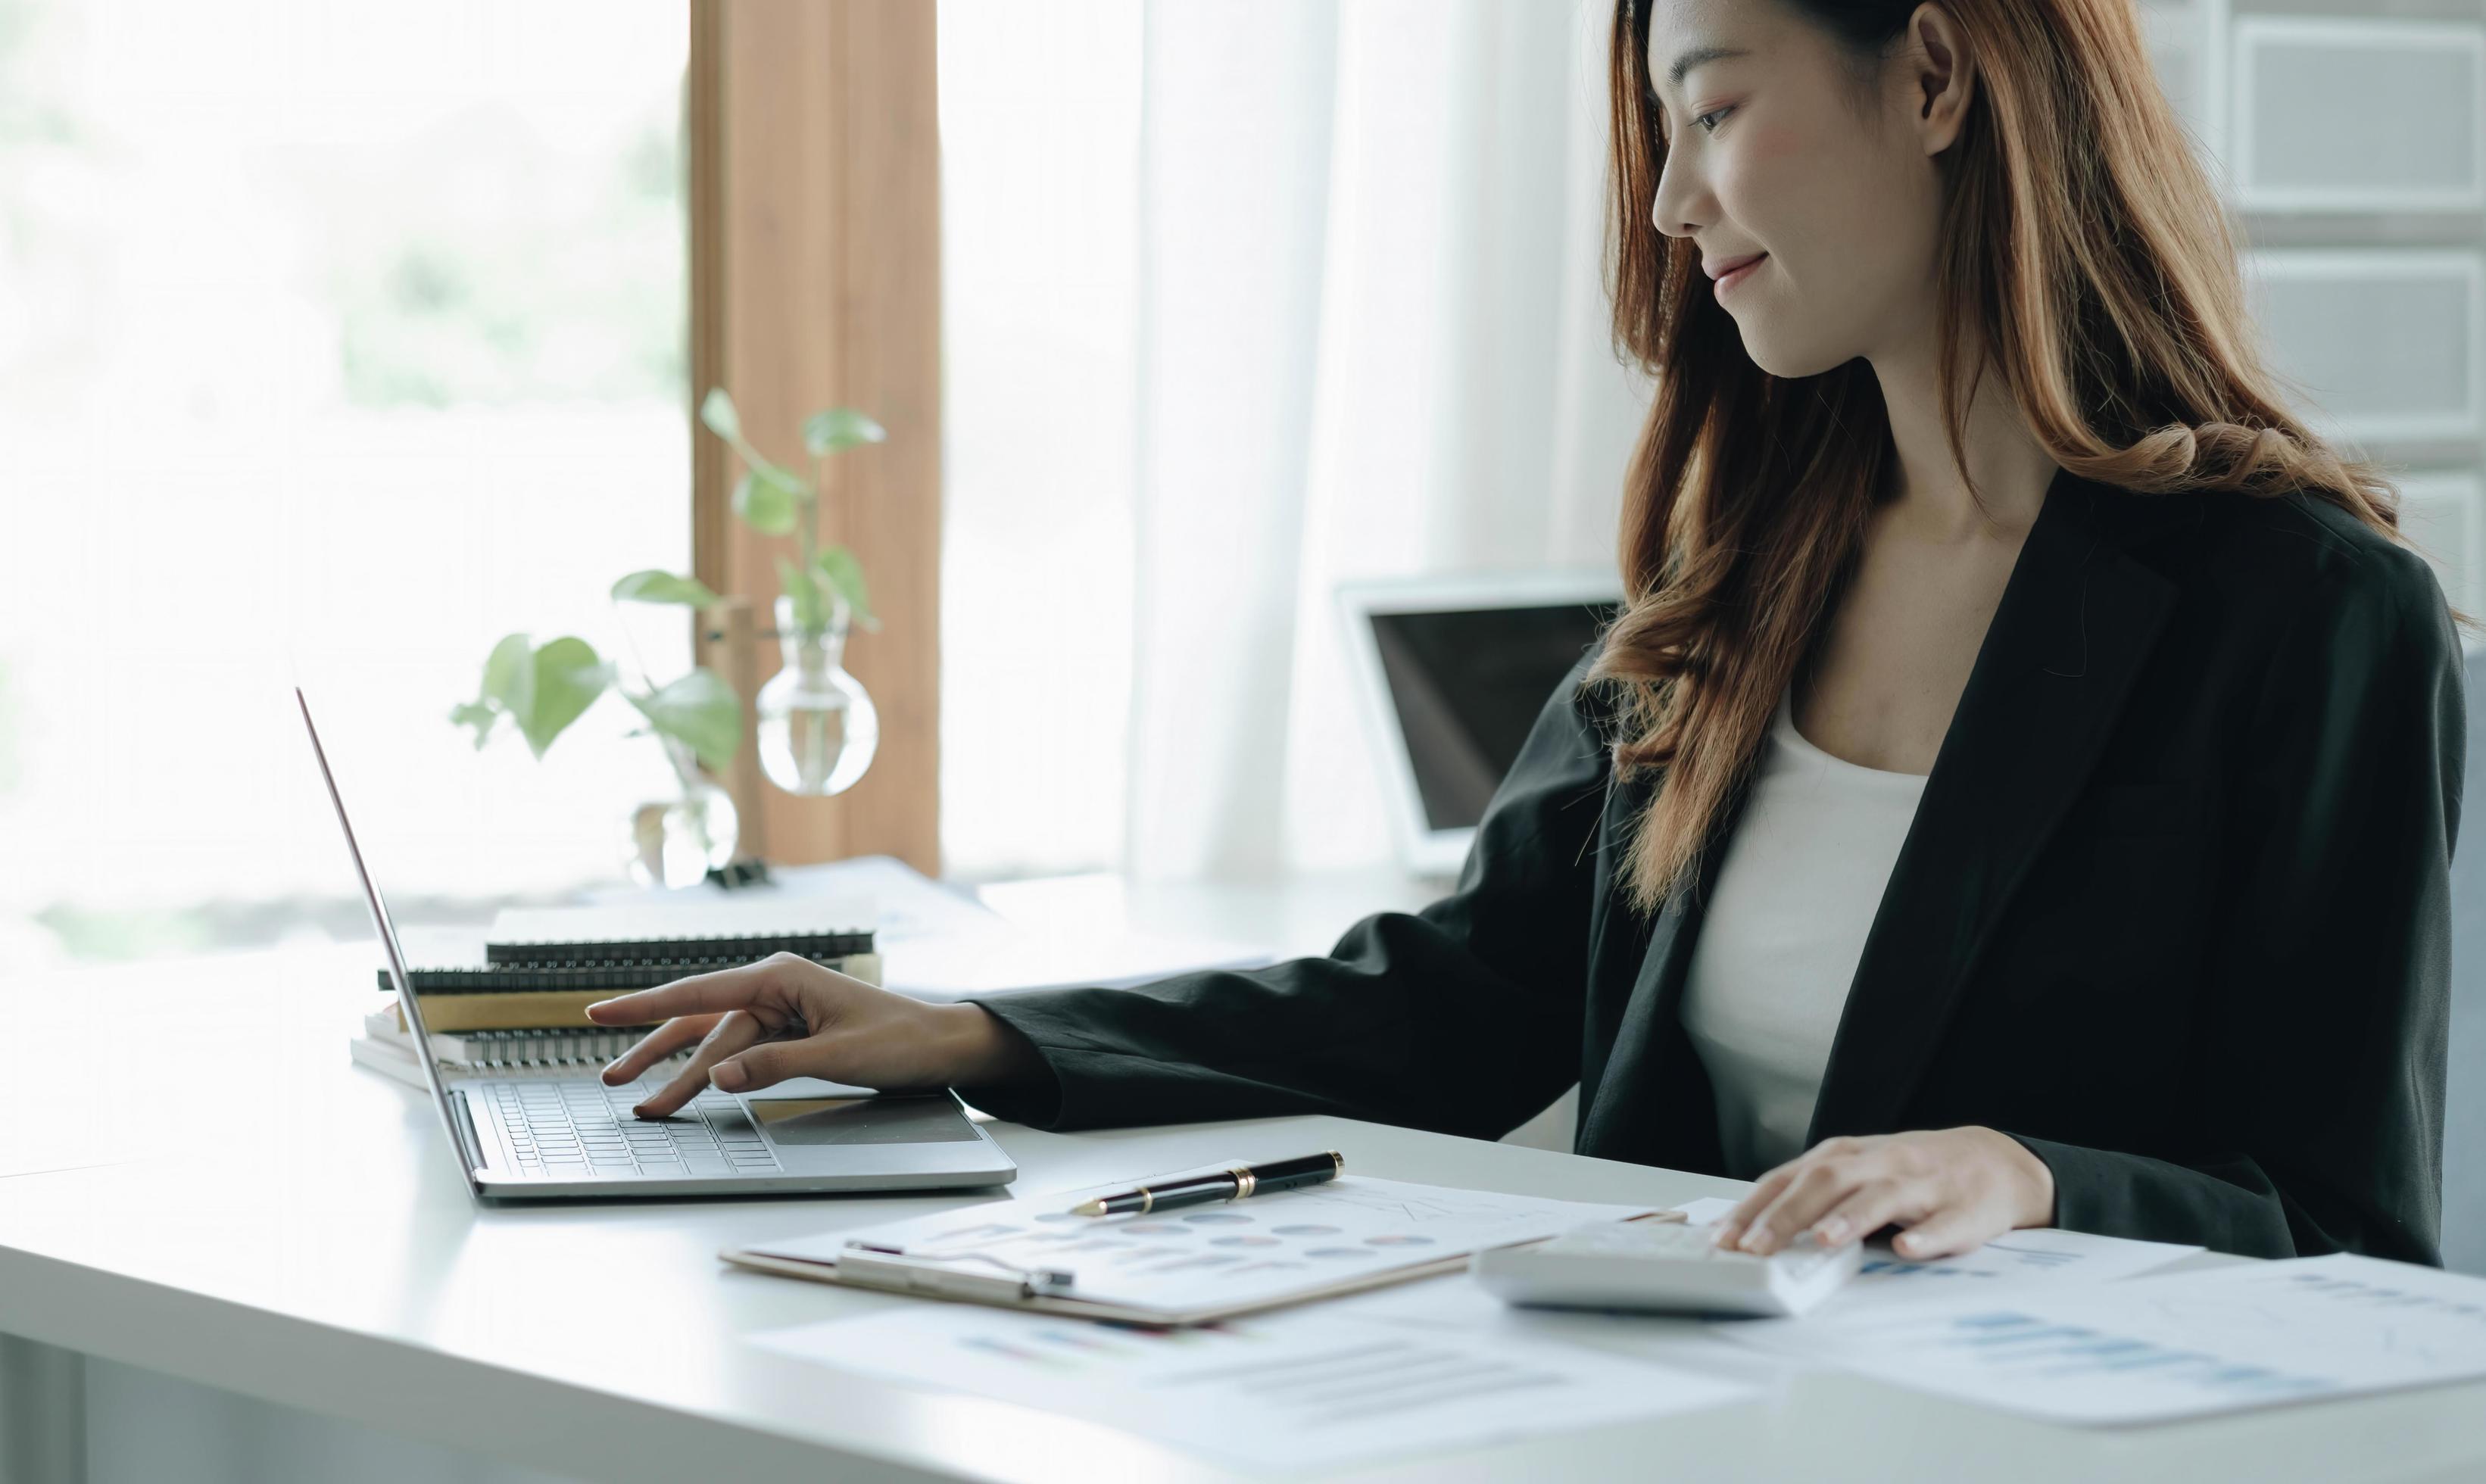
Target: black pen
[[1217, 1182]]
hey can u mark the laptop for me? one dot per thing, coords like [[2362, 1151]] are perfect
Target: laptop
[[1451, 672], [566, 1138]]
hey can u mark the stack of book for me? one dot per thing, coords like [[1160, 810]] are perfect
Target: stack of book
[[523, 1009]]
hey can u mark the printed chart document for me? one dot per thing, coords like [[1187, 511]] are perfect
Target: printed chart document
[[2172, 1346], [2037, 1261], [1205, 1262], [2036, 1257], [1455, 1303], [1297, 1391]]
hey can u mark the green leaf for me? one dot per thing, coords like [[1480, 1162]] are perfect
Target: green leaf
[[768, 498], [478, 715], [839, 428], [568, 676], [540, 690], [810, 610], [655, 586], [700, 711], [509, 688], [839, 568], [509, 676]]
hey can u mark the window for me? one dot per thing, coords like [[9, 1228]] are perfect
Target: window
[[1039, 212], [335, 342]]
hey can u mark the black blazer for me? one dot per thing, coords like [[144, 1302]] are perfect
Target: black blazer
[[2173, 913]]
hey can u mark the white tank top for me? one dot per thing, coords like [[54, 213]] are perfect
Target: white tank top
[[1795, 896]]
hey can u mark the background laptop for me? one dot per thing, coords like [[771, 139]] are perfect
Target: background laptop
[[1451, 671], [569, 1136]]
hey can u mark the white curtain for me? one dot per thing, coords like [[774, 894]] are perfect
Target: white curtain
[[1372, 342]]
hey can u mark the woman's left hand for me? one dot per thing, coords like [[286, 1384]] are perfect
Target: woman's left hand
[[1951, 1188]]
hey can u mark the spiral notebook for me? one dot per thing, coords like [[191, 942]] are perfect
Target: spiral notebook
[[386, 1048], [541, 967], [705, 928], [577, 1051], [564, 1048], [539, 996]]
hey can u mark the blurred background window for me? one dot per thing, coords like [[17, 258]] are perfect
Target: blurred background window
[[1040, 239], [335, 342]]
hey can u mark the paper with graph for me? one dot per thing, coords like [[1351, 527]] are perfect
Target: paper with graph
[[2041, 1258], [2016, 1261], [1288, 1391], [1222, 1259], [2149, 1349]]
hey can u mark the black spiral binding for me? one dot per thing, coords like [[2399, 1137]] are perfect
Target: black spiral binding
[[816, 946], [619, 976]]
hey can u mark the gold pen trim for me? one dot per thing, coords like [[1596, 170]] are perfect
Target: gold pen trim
[[1244, 1180]]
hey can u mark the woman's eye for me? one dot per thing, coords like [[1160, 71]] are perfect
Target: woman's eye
[[1702, 121]]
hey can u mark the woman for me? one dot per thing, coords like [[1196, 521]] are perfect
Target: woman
[[2021, 787]]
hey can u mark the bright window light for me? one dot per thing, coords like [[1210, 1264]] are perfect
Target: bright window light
[[335, 342], [1039, 226]]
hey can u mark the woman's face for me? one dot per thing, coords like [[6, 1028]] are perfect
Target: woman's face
[[1769, 151]]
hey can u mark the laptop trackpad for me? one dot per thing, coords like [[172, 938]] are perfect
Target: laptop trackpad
[[864, 1120]]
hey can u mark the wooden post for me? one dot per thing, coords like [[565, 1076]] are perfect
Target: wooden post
[[815, 252], [730, 645]]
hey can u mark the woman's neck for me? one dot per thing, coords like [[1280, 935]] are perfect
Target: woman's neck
[[2010, 470]]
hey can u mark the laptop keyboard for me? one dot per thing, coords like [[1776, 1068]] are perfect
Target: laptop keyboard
[[582, 1129]]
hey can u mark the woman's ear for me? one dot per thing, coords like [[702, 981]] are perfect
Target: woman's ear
[[1942, 77]]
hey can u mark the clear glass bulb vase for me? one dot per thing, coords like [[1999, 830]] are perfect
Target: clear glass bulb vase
[[817, 727], [677, 841]]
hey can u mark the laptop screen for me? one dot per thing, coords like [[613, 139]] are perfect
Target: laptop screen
[[382, 925], [1467, 685]]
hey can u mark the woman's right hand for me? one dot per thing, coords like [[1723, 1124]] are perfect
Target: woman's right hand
[[787, 1016]]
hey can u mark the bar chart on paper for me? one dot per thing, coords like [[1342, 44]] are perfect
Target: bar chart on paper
[[2006, 1257], [1292, 1391], [2006, 1342], [2024, 1260], [2038, 1257], [2173, 1346]]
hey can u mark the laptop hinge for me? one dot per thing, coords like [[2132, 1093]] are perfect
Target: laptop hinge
[[465, 1121]]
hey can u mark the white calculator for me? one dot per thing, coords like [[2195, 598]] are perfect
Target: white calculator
[[1663, 1266]]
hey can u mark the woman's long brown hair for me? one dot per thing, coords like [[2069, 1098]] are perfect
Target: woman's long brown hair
[[2080, 242]]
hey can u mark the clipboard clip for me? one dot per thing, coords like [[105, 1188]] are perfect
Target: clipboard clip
[[870, 1266]]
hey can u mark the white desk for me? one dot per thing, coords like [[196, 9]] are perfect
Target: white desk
[[355, 1282]]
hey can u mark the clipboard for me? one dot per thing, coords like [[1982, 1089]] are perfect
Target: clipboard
[[923, 1279], [1211, 1263]]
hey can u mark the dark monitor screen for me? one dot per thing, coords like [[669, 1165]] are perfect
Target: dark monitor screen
[[1467, 686]]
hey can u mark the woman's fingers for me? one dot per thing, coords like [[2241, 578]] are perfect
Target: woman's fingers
[[1951, 1188], [1730, 1226], [699, 993], [771, 1062], [1819, 1183], [1867, 1209], [1950, 1232], [656, 1045], [735, 1033]]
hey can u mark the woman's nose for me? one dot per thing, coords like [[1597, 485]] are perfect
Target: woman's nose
[[1669, 212]]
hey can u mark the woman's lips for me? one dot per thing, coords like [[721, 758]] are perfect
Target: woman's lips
[[1731, 279]]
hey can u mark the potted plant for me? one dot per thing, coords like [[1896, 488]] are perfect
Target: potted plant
[[819, 729], [541, 689]]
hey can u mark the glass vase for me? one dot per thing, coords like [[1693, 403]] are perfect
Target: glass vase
[[817, 727], [677, 841]]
